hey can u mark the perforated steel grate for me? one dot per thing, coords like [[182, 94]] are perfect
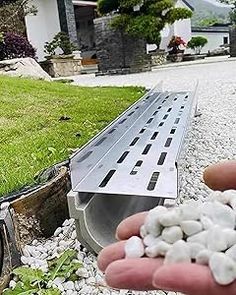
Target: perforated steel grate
[[137, 154]]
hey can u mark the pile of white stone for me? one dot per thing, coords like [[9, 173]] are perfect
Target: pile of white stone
[[198, 232], [90, 279]]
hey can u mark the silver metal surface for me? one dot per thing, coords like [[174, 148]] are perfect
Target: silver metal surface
[[131, 166]]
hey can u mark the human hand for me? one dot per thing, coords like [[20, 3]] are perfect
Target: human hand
[[151, 274]]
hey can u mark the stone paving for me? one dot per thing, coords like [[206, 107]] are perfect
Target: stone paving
[[179, 77]]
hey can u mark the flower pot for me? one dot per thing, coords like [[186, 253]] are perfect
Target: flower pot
[[178, 57]]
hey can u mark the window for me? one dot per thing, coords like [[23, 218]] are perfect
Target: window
[[225, 40]]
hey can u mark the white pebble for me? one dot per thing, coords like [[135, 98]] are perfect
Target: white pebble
[[170, 218], [195, 249], [223, 268], [203, 257], [91, 281], [26, 260], [231, 252], [217, 239], [73, 235], [57, 231], [143, 231], [229, 195], [179, 253], [82, 272], [219, 214], [230, 236], [59, 280], [219, 196], [69, 285], [150, 240], [160, 249], [152, 223], [206, 222], [191, 227], [172, 234], [12, 284], [200, 238], [66, 223], [25, 252], [232, 203], [190, 211], [134, 248]]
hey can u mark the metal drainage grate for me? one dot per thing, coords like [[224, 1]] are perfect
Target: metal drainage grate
[[135, 156]]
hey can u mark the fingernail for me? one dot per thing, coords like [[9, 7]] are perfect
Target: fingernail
[[116, 236]]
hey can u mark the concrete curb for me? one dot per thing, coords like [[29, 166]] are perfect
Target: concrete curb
[[197, 62]]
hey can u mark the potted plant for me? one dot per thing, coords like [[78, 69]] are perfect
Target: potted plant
[[61, 60], [197, 43], [61, 42], [177, 46]]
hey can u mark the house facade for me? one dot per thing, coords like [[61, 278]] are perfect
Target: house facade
[[217, 36], [76, 19], [180, 28]]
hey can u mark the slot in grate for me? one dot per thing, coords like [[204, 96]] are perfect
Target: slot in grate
[[153, 181]]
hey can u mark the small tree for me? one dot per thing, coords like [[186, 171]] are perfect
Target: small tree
[[143, 19], [232, 14], [62, 41], [12, 13], [197, 43]]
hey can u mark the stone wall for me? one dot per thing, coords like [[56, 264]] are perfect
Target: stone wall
[[118, 53], [158, 58], [232, 36]]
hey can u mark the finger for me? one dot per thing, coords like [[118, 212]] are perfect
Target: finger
[[110, 254], [133, 274], [221, 176], [130, 226], [191, 279]]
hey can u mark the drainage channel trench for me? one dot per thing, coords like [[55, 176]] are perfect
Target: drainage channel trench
[[131, 166]]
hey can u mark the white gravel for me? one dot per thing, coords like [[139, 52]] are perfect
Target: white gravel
[[212, 138]]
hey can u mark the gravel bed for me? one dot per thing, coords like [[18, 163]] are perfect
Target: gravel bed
[[212, 138]]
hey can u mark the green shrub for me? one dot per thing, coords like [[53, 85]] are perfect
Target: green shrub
[[62, 41], [197, 43], [15, 46]]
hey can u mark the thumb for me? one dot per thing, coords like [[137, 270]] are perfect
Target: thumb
[[221, 176]]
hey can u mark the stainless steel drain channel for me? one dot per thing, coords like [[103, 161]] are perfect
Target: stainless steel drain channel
[[131, 166]]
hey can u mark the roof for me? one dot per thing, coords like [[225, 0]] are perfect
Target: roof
[[212, 29], [84, 3], [189, 5]]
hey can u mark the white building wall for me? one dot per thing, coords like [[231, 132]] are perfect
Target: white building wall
[[180, 28], [44, 26], [215, 39]]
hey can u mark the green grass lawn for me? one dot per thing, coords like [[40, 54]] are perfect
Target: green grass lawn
[[33, 138]]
